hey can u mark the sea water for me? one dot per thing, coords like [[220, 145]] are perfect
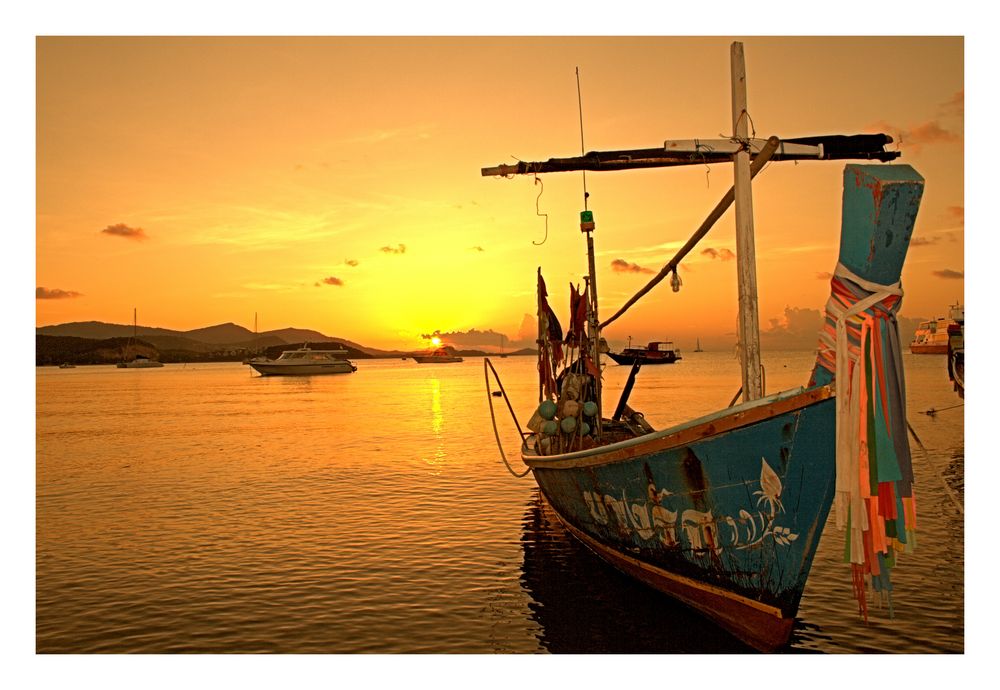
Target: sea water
[[204, 508]]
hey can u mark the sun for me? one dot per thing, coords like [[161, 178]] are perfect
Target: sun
[[435, 341]]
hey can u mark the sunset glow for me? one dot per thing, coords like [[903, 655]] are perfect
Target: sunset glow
[[317, 182]]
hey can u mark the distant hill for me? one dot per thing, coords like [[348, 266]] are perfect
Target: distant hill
[[222, 342], [54, 350], [88, 342]]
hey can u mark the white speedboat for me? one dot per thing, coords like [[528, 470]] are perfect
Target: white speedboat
[[442, 355], [304, 362]]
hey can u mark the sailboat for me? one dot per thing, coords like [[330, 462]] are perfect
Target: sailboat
[[724, 512], [139, 361], [697, 345]]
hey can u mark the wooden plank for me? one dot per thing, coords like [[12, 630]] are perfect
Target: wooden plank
[[746, 260]]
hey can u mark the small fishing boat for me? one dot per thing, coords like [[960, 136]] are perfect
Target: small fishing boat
[[442, 355], [67, 365], [724, 512], [139, 361], [956, 349], [656, 352], [304, 361]]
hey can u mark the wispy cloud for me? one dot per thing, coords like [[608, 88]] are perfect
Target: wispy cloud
[[400, 249], [378, 136], [55, 293], [949, 274], [919, 135], [924, 241], [477, 248], [723, 254], [331, 280], [955, 105], [956, 213], [351, 262], [824, 275], [122, 230], [269, 286], [623, 266]]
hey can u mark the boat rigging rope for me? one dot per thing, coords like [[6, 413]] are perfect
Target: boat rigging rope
[[727, 200], [489, 398], [940, 475]]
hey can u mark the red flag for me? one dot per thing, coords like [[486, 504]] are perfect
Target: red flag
[[577, 316]]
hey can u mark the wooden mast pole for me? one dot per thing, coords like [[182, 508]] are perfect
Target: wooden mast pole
[[749, 326]]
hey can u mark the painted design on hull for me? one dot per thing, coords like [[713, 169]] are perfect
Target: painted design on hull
[[699, 530]]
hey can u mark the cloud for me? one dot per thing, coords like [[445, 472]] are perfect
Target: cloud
[[528, 331], [797, 330], [924, 241], [351, 262], [477, 248], [122, 230], [400, 249], [948, 273], [490, 340], [623, 266], [956, 213], [824, 275], [332, 280], [918, 136], [55, 293], [723, 254], [955, 105]]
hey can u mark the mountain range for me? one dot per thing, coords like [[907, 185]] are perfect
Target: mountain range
[[225, 336], [96, 342]]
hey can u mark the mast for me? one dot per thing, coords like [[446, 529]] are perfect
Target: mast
[[746, 268]]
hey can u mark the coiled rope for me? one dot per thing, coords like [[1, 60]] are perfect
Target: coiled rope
[[488, 365]]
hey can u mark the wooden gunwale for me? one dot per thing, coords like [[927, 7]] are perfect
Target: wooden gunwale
[[666, 439]]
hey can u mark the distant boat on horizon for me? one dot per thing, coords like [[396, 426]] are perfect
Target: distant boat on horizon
[[442, 355], [657, 352], [304, 362], [139, 361], [697, 345]]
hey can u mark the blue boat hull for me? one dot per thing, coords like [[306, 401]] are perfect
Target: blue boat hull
[[724, 513]]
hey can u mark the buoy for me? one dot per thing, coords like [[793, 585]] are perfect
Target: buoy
[[550, 428], [590, 408], [547, 409], [570, 408], [584, 428], [568, 424]]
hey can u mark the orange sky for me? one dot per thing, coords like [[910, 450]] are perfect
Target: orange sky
[[334, 183]]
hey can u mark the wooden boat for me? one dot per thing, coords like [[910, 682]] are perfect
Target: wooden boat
[[956, 349], [442, 355], [725, 512], [656, 352]]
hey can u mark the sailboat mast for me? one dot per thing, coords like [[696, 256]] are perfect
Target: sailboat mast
[[749, 327]]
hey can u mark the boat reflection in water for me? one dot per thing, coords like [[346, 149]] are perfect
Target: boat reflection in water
[[579, 601]]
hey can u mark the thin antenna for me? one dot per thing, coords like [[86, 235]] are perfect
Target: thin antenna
[[579, 102]]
